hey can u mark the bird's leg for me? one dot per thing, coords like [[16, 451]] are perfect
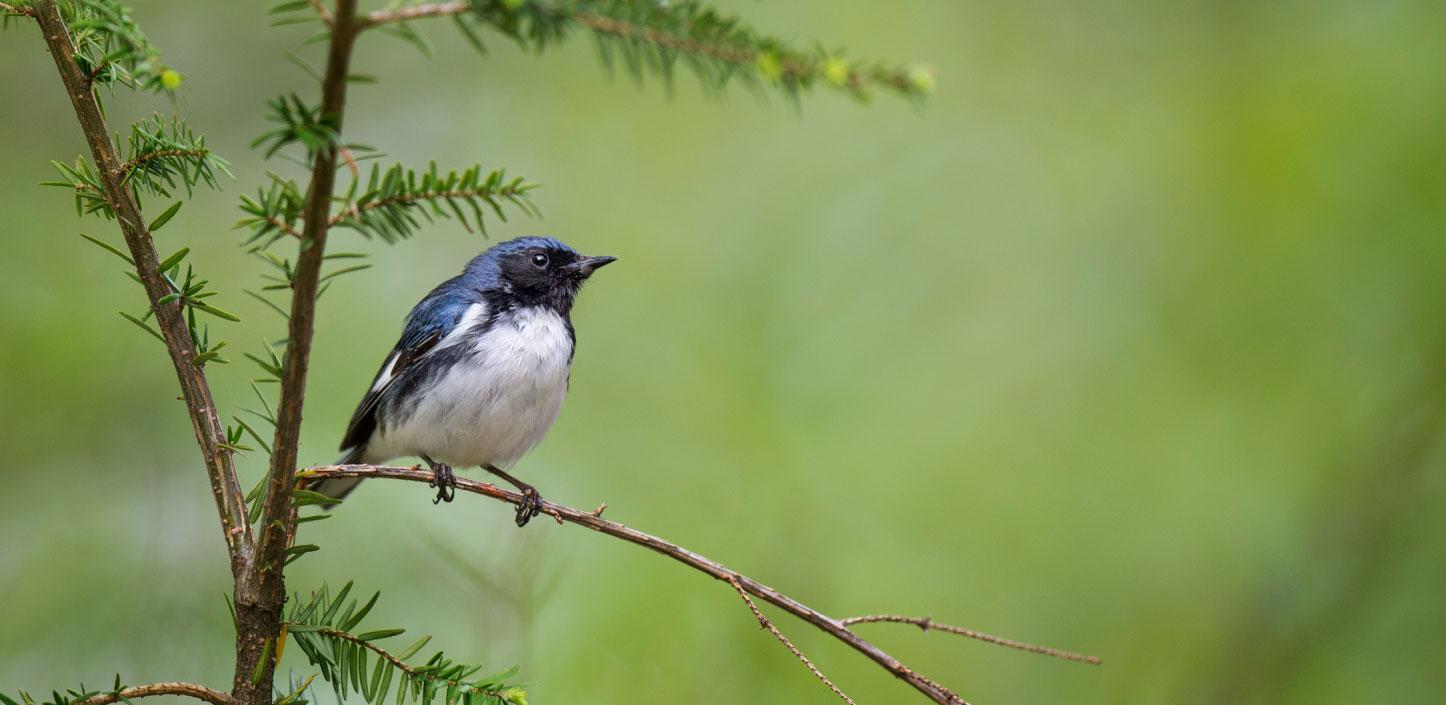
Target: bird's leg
[[531, 504], [443, 479]]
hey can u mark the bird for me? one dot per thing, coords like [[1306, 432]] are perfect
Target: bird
[[480, 372]]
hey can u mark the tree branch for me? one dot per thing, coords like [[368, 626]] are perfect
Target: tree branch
[[141, 159], [205, 421], [261, 595], [791, 67], [190, 690], [14, 10], [593, 520], [767, 624], [925, 624]]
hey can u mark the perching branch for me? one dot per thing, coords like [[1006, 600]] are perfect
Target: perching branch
[[190, 690], [594, 521], [170, 316]]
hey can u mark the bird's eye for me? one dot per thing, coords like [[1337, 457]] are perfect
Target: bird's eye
[[539, 260]]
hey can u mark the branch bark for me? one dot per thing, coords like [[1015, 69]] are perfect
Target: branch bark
[[190, 690], [593, 520], [205, 421], [261, 593]]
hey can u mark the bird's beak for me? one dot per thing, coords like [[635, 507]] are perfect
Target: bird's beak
[[584, 267]]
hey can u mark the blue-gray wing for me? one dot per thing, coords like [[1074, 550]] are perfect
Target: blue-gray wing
[[428, 323]]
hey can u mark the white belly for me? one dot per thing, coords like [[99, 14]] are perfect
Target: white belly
[[496, 404]]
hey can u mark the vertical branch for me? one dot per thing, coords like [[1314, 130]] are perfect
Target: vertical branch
[[205, 421], [261, 595]]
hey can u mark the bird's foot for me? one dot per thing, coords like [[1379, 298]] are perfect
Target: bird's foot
[[445, 481], [531, 504]]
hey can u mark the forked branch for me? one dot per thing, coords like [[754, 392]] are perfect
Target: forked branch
[[593, 520]]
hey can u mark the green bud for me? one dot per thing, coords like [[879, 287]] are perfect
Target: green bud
[[769, 66], [170, 80], [515, 696], [836, 70], [922, 79]]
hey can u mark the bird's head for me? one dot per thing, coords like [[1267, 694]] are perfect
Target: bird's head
[[535, 271]]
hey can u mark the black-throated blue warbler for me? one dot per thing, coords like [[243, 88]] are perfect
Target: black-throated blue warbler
[[480, 372]]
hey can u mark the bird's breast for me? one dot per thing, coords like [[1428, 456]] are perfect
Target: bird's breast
[[500, 396]]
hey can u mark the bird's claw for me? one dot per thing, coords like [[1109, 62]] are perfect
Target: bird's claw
[[530, 506], [445, 481]]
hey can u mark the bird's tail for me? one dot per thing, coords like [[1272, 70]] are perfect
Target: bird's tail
[[340, 487]]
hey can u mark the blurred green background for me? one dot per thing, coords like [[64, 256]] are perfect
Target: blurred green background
[[1130, 342]]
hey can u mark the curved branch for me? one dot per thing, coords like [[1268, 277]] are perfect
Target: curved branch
[[593, 520], [190, 690], [925, 624]]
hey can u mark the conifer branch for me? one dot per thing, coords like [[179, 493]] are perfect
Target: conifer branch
[[179, 337], [21, 10], [653, 35], [325, 627], [388, 207], [594, 521]]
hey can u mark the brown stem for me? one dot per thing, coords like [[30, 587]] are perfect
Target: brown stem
[[205, 421], [262, 593], [717, 570], [13, 10], [190, 690], [925, 624]]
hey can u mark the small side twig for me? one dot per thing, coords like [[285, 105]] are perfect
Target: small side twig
[[925, 624], [766, 624], [9, 9], [190, 690]]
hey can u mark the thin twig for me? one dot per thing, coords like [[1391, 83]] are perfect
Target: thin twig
[[415, 12], [926, 624], [281, 225], [126, 168], [322, 12], [191, 690], [352, 212], [766, 624], [13, 10], [706, 565]]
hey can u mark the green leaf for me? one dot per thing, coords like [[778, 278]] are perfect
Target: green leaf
[[173, 260], [307, 498], [110, 249], [379, 634], [142, 324], [164, 218]]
